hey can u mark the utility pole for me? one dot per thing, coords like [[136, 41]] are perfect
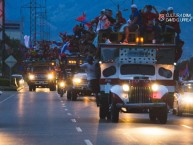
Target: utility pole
[[33, 6]]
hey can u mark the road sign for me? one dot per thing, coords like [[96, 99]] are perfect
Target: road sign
[[10, 61]]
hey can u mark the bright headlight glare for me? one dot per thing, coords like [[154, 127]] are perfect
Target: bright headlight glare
[[62, 84], [21, 82], [125, 87], [31, 77], [50, 76], [77, 80], [188, 99], [155, 87]]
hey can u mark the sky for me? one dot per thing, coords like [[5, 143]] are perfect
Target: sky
[[62, 13]]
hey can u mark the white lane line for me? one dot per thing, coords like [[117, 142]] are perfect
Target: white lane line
[[69, 114], [78, 129], [66, 109], [187, 126], [73, 120], [7, 98], [64, 106], [88, 142]]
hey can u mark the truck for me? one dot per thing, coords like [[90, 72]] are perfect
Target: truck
[[136, 76], [41, 74], [183, 98]]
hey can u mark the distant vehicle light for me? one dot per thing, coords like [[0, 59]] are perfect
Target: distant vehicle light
[[21, 82], [62, 84], [31, 77], [188, 100], [77, 80], [50, 76]]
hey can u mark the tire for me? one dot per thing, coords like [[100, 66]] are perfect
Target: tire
[[30, 88], [179, 111], [152, 114], [74, 96], [53, 88], [69, 96], [104, 107], [34, 88], [114, 113], [162, 115]]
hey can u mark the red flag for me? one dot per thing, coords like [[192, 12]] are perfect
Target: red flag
[[81, 18]]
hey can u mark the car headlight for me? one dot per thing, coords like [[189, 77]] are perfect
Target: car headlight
[[188, 99], [155, 87], [21, 82], [77, 80], [31, 77], [50, 76], [125, 88], [62, 84]]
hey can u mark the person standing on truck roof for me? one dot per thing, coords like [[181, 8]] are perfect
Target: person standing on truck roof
[[135, 19], [93, 76]]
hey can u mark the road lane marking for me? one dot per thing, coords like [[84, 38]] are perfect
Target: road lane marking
[[88, 142], [69, 114], [78, 129], [66, 109], [7, 98], [187, 126], [73, 120]]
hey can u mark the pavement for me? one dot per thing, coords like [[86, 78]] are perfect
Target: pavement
[[43, 118]]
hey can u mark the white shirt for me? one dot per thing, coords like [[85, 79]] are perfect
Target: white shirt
[[90, 70]]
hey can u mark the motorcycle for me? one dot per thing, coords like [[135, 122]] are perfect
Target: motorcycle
[[61, 88]]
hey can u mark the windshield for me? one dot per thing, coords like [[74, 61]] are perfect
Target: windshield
[[188, 88], [130, 69], [40, 68]]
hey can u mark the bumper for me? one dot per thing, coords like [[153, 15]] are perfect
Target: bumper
[[41, 83], [141, 105]]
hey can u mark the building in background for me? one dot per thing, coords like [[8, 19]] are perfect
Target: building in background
[[13, 29]]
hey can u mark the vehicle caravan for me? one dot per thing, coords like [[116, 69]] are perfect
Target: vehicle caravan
[[136, 76]]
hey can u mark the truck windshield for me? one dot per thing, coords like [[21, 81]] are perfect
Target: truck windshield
[[130, 69], [41, 68], [188, 88]]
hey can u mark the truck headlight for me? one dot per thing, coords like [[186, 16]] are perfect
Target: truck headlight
[[188, 100], [62, 84], [155, 87], [77, 80], [125, 87], [21, 82], [50, 76], [31, 77]]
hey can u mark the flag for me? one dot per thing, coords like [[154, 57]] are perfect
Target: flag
[[83, 20], [64, 47]]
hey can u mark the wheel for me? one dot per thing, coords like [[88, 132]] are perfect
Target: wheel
[[53, 88], [34, 88], [30, 88], [69, 96], [104, 108], [114, 113], [152, 115], [74, 96], [162, 115], [178, 111]]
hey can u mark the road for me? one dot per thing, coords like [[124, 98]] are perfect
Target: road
[[43, 118]]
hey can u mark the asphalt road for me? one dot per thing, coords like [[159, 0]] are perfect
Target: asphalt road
[[43, 118]]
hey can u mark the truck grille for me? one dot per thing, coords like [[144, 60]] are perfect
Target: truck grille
[[41, 76], [140, 95]]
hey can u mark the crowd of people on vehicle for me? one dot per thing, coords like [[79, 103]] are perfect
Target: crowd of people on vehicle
[[146, 20]]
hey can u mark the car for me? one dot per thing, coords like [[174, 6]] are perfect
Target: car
[[183, 99], [79, 86], [17, 80]]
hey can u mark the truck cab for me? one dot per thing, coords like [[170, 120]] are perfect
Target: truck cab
[[41, 74], [136, 76]]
